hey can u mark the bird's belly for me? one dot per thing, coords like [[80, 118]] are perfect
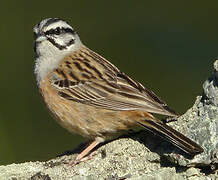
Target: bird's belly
[[86, 120]]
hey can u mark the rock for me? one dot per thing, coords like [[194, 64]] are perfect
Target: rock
[[202, 122], [136, 157], [210, 87]]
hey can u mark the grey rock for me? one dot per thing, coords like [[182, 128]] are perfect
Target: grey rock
[[136, 157], [210, 87], [202, 123]]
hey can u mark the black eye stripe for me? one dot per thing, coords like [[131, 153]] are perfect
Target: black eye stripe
[[61, 47], [56, 44], [68, 30], [59, 31]]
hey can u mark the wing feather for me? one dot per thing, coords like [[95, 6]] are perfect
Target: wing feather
[[94, 81]]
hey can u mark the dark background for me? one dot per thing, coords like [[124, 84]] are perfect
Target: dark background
[[168, 46]]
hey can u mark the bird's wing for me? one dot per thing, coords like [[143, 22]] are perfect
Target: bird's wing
[[86, 77]]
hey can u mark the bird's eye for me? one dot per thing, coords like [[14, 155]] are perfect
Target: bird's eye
[[57, 31]]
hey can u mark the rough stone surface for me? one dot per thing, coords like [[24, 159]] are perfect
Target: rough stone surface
[[134, 156]]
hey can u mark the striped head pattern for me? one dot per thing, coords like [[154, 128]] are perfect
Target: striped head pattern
[[54, 39]]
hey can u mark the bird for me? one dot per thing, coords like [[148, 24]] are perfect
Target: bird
[[88, 95]]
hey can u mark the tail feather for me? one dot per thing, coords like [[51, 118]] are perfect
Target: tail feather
[[173, 136]]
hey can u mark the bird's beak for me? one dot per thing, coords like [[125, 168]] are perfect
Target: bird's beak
[[40, 38]]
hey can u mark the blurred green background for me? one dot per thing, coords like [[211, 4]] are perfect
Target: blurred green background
[[167, 46]]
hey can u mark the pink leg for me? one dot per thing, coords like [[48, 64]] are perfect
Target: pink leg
[[81, 157]]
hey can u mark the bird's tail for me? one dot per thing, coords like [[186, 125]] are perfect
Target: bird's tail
[[171, 135]]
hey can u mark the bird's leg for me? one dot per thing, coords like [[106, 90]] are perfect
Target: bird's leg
[[83, 155]]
